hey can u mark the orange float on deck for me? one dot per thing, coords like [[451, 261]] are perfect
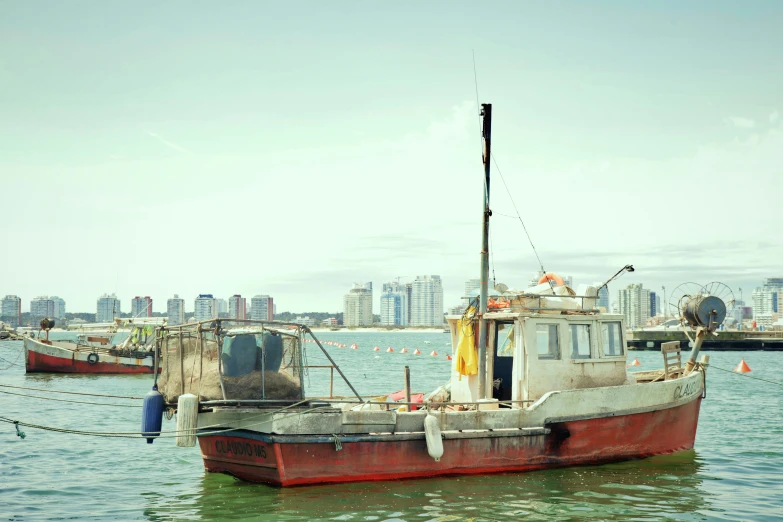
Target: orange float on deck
[[551, 276], [635, 362], [742, 367]]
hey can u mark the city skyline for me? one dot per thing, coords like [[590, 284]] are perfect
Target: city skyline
[[614, 121], [610, 295]]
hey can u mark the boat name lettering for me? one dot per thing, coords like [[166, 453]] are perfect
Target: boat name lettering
[[688, 389], [240, 448]]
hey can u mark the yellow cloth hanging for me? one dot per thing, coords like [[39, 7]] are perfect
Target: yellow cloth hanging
[[467, 354]]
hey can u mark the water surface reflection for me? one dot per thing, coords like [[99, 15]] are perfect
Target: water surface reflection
[[651, 489]]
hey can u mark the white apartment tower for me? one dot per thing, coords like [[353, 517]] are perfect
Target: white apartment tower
[[41, 307], [357, 306], [237, 307], [175, 309], [205, 307], [394, 305], [59, 307], [634, 303], [108, 307], [262, 308], [11, 310], [471, 286], [141, 306], [427, 301]]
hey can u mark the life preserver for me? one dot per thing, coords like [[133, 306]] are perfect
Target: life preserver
[[92, 358], [551, 276]]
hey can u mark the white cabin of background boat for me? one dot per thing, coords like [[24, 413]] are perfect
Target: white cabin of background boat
[[532, 374]]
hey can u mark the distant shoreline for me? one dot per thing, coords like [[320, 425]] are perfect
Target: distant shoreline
[[378, 329]]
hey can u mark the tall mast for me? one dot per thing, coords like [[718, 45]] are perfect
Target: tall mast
[[486, 113]]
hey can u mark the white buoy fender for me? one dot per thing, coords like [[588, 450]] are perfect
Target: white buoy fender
[[434, 440], [187, 416]]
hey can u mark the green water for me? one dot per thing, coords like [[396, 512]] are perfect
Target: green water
[[734, 473]]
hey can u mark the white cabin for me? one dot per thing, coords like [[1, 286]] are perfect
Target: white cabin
[[530, 353]]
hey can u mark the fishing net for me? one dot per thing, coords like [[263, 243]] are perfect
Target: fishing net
[[254, 362]]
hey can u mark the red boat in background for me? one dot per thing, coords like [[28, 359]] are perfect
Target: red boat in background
[[92, 354]]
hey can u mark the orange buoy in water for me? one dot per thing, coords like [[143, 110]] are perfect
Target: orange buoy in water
[[389, 349], [354, 346], [404, 350], [434, 353], [742, 367], [376, 349], [448, 357], [636, 362], [416, 352]]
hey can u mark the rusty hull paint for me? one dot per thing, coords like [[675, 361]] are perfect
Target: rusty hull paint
[[570, 443]]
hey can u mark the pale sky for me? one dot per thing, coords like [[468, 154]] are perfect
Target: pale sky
[[293, 148]]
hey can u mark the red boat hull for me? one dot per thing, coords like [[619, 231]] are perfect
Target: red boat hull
[[63, 360], [264, 458]]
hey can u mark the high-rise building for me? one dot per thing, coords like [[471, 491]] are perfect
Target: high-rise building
[[237, 307], [457, 310], [603, 296], [11, 310], [766, 298], [262, 308], [205, 307], [409, 292], [175, 309], [222, 306], [108, 307], [765, 302], [141, 306], [427, 303], [394, 305], [653, 304], [40, 308], [357, 306], [634, 303], [471, 286], [59, 307]]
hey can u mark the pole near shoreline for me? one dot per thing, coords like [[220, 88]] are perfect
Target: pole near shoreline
[[486, 113]]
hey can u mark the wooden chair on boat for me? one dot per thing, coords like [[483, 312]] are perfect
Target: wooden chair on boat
[[672, 361]]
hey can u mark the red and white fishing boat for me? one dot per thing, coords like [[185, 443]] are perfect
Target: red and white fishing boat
[[539, 380], [92, 353]]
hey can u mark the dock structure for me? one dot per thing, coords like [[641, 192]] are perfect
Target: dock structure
[[726, 340]]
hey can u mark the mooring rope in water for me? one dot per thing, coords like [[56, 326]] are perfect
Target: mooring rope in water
[[163, 433], [710, 365], [72, 392], [21, 349], [75, 402]]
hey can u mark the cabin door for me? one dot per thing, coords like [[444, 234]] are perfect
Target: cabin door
[[503, 361]]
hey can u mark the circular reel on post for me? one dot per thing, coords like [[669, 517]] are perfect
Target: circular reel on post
[[681, 295]]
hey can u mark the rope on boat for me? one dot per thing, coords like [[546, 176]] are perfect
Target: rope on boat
[[75, 402], [744, 375], [72, 393], [168, 433]]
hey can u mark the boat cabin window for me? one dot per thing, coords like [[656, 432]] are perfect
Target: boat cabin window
[[612, 340], [547, 341], [505, 340], [580, 341]]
